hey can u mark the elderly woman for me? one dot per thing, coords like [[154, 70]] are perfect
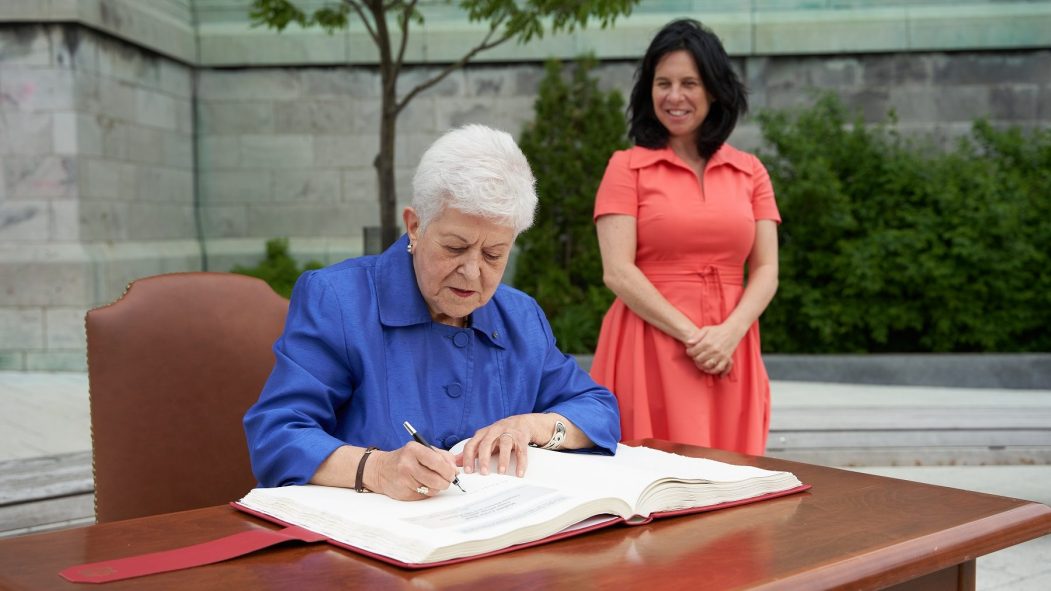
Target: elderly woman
[[426, 333]]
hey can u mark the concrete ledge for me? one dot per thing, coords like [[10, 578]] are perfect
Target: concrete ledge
[[218, 33], [746, 28], [161, 25], [859, 457], [44, 493], [962, 370], [873, 425], [1026, 371]]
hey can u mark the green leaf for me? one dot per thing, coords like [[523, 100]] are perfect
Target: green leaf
[[277, 268]]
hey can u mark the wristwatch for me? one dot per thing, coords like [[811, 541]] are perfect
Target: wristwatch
[[557, 438]]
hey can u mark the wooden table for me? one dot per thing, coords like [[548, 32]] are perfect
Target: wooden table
[[850, 530]]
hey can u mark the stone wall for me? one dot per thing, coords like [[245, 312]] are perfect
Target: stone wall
[[289, 151], [96, 182], [125, 154], [938, 93]]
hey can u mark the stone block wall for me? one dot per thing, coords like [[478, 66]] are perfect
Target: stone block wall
[[118, 162], [289, 151], [96, 183], [935, 93]]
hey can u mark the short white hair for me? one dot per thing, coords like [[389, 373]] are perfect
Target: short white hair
[[479, 171]]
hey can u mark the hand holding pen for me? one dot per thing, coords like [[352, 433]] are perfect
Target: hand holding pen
[[419, 439]]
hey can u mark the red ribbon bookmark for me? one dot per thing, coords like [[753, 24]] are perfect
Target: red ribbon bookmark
[[189, 556]]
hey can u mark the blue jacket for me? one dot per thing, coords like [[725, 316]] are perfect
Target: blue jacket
[[360, 355]]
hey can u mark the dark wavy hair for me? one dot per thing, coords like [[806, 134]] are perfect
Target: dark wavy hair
[[730, 98]]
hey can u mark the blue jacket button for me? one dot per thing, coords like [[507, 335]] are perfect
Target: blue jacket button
[[461, 339]]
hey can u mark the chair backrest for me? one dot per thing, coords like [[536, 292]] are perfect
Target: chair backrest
[[172, 367]]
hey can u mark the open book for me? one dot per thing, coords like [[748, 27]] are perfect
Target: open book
[[562, 494]]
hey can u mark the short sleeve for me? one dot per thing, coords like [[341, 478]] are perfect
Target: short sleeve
[[764, 207], [618, 191]]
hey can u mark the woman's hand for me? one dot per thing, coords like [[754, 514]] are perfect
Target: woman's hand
[[712, 348], [504, 437], [411, 473]]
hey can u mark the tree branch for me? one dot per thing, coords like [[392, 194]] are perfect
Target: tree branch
[[361, 14], [406, 14], [388, 70], [482, 46]]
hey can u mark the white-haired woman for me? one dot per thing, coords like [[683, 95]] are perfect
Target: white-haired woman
[[425, 333]]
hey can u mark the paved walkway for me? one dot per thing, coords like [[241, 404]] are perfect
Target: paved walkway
[[47, 413], [43, 414]]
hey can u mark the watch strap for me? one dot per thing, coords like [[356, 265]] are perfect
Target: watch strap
[[359, 483], [557, 438]]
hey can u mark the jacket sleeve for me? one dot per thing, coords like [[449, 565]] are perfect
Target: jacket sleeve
[[289, 428], [568, 390]]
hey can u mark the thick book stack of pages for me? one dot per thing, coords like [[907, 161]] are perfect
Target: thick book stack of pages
[[562, 494]]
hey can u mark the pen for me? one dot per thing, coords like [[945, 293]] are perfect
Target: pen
[[419, 439]]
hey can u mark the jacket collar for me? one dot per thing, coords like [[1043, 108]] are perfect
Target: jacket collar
[[401, 303], [726, 154]]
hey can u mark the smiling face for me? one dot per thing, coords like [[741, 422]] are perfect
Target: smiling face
[[680, 100], [459, 260]]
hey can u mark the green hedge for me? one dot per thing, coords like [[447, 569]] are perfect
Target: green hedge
[[277, 268], [577, 126], [892, 245]]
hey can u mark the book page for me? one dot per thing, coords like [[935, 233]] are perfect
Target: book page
[[663, 464], [584, 475], [650, 480], [682, 482], [496, 511]]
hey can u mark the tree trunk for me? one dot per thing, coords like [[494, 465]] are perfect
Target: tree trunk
[[385, 160], [384, 164]]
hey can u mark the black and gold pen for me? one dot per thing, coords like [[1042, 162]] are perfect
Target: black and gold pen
[[419, 439]]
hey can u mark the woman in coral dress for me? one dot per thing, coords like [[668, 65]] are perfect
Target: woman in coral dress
[[678, 217]]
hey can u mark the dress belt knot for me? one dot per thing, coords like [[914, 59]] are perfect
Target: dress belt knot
[[713, 305]]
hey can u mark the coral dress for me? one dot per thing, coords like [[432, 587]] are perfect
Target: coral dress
[[692, 245]]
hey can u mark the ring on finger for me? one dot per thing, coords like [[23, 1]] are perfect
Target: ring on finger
[[423, 490], [506, 435]]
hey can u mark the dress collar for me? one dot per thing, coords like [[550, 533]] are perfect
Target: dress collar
[[401, 303], [726, 154]]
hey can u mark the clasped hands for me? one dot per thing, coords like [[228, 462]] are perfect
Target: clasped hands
[[712, 347], [414, 471]]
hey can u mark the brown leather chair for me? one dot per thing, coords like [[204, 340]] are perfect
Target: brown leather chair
[[172, 367]]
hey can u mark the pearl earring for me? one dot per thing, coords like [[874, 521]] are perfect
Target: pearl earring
[[409, 248]]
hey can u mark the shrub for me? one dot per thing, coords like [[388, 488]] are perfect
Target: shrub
[[893, 245], [576, 128], [278, 268]]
